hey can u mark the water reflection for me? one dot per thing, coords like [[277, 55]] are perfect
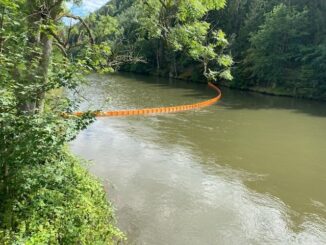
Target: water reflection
[[222, 175], [254, 101]]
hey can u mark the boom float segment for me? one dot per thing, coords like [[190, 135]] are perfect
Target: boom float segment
[[159, 110]]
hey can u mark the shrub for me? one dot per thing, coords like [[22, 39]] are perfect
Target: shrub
[[58, 203]]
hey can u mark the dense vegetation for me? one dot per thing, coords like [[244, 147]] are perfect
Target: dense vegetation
[[164, 37], [46, 196], [278, 46]]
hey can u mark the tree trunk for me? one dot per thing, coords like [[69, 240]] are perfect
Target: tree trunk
[[172, 65], [46, 41], [5, 177], [27, 102], [175, 66], [157, 59], [39, 14], [160, 54], [205, 68], [1, 27]]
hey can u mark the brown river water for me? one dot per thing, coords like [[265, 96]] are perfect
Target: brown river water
[[249, 170]]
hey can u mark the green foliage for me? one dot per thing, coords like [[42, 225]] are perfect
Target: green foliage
[[58, 203], [95, 57], [166, 33], [36, 139], [192, 10], [103, 26], [278, 45], [46, 196]]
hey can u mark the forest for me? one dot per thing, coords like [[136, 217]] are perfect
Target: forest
[[47, 195], [278, 46]]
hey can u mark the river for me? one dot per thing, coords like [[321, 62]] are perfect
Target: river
[[249, 170]]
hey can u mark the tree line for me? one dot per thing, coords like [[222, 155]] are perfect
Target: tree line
[[278, 46]]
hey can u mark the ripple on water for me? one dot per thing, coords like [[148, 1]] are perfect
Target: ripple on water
[[173, 178]]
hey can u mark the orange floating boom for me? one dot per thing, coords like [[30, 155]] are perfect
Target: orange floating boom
[[161, 110]]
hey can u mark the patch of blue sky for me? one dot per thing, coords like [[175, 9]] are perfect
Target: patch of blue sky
[[87, 6]]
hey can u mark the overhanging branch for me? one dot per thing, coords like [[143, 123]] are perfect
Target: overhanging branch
[[63, 50], [59, 43], [80, 19]]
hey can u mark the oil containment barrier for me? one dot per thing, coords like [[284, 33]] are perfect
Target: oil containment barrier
[[159, 110]]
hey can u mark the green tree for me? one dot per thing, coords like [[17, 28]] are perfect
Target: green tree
[[170, 36], [179, 27], [276, 48], [46, 196], [259, 27]]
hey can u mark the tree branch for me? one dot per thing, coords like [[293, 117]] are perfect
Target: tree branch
[[63, 50], [163, 4], [71, 16], [59, 43]]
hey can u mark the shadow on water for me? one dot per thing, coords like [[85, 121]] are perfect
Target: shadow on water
[[198, 90], [239, 100], [236, 99]]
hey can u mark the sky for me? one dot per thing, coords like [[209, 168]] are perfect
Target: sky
[[87, 7]]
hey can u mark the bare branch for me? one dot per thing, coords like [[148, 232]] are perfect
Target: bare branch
[[125, 59]]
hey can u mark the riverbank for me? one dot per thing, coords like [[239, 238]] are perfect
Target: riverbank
[[47, 194], [194, 76], [59, 202], [280, 92]]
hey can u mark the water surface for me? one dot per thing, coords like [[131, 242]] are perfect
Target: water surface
[[248, 170]]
